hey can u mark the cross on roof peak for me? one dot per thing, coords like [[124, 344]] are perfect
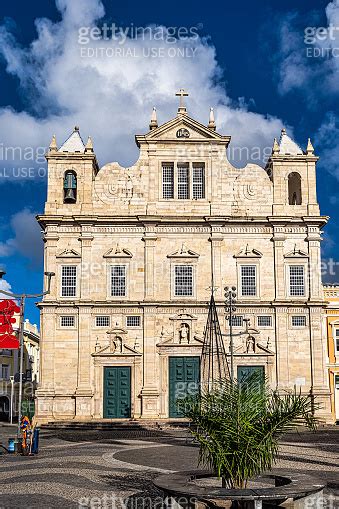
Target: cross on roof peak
[[182, 108]]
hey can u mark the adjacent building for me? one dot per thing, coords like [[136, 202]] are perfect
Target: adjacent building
[[136, 252], [331, 295], [9, 372]]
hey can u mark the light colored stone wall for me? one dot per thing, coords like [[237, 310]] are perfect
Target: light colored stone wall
[[121, 218]]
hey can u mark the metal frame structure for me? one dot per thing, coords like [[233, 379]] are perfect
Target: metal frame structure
[[214, 365]]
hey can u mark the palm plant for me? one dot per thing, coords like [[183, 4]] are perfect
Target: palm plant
[[238, 426]]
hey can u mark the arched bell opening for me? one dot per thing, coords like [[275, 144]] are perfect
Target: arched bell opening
[[294, 189], [70, 187]]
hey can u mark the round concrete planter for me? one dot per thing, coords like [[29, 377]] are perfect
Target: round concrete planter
[[295, 491]]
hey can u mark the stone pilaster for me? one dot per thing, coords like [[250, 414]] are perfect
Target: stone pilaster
[[216, 240], [320, 384], [150, 388], [313, 238], [51, 238], [278, 246], [84, 392], [149, 239], [281, 348], [46, 391], [87, 276]]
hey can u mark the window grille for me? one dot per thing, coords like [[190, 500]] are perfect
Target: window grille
[[183, 280], [68, 281], [248, 280], [118, 281]]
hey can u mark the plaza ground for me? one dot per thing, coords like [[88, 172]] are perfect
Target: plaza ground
[[107, 468]]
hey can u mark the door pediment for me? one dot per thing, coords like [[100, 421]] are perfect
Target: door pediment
[[171, 342], [115, 345]]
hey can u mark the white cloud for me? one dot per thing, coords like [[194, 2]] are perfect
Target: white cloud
[[5, 286], [308, 58], [308, 62], [27, 239], [112, 98]]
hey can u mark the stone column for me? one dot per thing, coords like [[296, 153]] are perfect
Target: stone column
[[278, 247]]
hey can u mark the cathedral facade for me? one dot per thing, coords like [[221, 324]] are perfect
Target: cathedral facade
[[137, 251]]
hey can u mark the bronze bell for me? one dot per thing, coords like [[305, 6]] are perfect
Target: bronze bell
[[70, 196]]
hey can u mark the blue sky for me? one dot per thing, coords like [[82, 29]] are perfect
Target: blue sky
[[249, 62]]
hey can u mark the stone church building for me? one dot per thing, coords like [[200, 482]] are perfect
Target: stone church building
[[136, 252]]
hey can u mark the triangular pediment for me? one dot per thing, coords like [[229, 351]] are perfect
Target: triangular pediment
[[183, 252], [183, 316], [69, 253], [118, 252], [196, 341], [247, 252], [115, 345], [296, 253], [182, 128], [107, 351], [251, 347]]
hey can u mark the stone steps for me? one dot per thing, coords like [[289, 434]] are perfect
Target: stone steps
[[116, 425]]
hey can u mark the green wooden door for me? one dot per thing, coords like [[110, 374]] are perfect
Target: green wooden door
[[245, 371], [184, 378], [117, 392]]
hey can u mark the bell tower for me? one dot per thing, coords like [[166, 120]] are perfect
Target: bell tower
[[71, 172], [293, 173]]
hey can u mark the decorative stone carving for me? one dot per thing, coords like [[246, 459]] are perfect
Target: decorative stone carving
[[184, 336], [250, 344]]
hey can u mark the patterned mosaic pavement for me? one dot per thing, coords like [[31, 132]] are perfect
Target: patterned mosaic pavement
[[94, 470]]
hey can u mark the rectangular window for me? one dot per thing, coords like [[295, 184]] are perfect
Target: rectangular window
[[248, 280], [102, 321], [183, 280], [6, 353], [198, 181], [298, 321], [264, 321], [133, 321], [5, 371], [69, 281], [297, 280], [167, 180], [337, 340], [237, 320], [183, 181], [67, 321], [118, 281]]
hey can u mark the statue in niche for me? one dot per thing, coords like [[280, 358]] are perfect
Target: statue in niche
[[113, 346], [184, 333], [250, 345], [118, 340]]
